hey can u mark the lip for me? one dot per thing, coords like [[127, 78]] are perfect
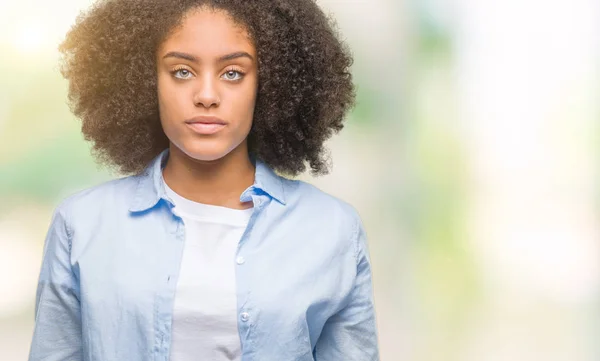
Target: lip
[[205, 125]]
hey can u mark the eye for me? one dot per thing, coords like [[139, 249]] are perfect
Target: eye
[[182, 73], [233, 75]]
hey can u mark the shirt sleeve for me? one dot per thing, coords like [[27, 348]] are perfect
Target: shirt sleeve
[[351, 334], [57, 331]]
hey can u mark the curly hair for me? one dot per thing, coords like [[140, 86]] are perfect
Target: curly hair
[[305, 85]]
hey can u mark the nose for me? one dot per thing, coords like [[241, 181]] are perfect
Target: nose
[[207, 94]]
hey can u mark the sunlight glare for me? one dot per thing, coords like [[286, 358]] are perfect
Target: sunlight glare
[[31, 37]]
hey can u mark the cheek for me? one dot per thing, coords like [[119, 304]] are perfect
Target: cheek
[[246, 102], [167, 101]]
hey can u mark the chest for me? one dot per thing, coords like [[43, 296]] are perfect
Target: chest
[[281, 280]]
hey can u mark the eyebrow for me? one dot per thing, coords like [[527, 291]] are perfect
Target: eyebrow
[[192, 58]]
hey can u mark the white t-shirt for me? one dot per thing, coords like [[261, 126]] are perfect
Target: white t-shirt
[[205, 310]]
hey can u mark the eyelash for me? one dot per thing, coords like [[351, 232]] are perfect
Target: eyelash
[[177, 70], [235, 70], [232, 69]]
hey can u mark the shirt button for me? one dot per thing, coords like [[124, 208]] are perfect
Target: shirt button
[[245, 317], [240, 260]]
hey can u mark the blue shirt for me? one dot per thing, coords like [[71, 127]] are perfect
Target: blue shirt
[[112, 256]]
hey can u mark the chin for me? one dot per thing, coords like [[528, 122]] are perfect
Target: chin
[[205, 151]]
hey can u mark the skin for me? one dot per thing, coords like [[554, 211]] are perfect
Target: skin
[[211, 169]]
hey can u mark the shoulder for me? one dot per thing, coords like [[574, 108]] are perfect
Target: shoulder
[[308, 195], [113, 194], [324, 209]]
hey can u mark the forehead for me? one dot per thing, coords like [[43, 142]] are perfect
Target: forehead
[[208, 32]]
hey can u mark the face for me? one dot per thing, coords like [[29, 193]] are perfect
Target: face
[[207, 84]]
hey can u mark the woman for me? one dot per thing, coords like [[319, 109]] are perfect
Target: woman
[[204, 252]]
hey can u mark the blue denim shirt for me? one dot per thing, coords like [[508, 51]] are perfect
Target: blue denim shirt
[[112, 256]]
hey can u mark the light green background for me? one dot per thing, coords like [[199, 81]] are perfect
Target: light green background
[[472, 156]]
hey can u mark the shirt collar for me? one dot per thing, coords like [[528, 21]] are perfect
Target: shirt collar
[[150, 188]]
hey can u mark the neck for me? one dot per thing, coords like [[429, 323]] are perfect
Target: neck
[[219, 182]]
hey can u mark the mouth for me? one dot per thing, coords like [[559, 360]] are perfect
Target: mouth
[[205, 125]]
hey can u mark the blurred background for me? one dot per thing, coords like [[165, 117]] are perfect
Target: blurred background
[[472, 157]]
